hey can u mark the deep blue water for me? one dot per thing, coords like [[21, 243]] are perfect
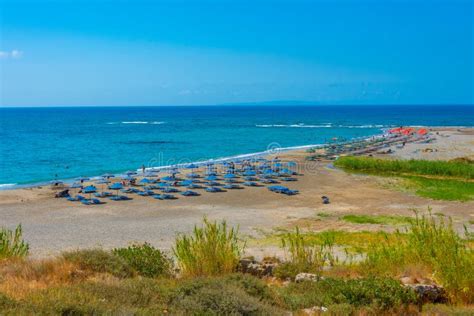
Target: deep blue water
[[39, 143]]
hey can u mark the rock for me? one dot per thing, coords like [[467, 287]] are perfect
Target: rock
[[407, 280], [315, 310], [300, 277], [256, 268], [429, 293]]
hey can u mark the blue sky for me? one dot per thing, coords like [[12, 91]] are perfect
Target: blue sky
[[80, 52]]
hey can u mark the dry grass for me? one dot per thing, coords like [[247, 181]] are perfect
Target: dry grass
[[18, 278]]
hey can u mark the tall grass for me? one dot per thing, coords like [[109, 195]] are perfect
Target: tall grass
[[305, 256], [12, 243], [433, 243], [212, 249], [415, 167]]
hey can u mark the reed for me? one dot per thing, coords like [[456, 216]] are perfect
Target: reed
[[212, 249], [304, 255], [433, 243], [12, 243], [455, 169]]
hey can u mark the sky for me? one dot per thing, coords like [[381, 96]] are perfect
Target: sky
[[105, 53]]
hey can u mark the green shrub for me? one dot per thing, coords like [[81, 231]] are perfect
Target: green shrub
[[413, 167], [211, 250], [305, 256], [12, 243], [145, 259], [126, 297], [379, 293], [220, 296], [101, 261], [431, 242], [377, 219]]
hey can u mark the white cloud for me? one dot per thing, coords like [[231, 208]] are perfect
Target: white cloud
[[15, 54]]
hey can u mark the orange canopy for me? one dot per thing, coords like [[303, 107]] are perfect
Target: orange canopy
[[422, 131]]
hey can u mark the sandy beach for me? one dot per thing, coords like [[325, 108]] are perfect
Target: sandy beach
[[53, 225]]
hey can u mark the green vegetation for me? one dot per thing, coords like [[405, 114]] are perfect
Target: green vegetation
[[12, 243], [449, 190], [304, 256], [322, 214], [430, 242], [100, 261], [145, 259], [138, 279], [440, 180], [211, 250], [453, 169], [380, 293], [377, 219]]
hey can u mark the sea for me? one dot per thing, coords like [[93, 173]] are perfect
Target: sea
[[41, 144]]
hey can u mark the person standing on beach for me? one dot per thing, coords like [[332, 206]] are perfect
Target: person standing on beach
[[143, 169]]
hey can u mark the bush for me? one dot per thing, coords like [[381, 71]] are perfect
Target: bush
[[304, 256], [101, 261], [221, 296], [145, 260], [211, 250], [433, 243], [125, 297], [381, 294], [414, 167], [12, 243]]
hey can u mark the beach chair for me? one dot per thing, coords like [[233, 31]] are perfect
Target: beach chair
[[195, 186], [165, 197], [214, 190], [250, 184], [289, 179], [290, 192], [80, 197], [85, 202], [70, 198], [232, 186], [170, 190], [96, 201], [190, 193]]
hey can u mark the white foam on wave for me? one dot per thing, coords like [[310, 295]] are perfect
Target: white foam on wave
[[137, 122], [326, 125], [294, 125], [7, 185]]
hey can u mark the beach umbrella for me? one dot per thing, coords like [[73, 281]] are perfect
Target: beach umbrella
[[168, 178], [89, 190], [192, 167], [76, 185], [56, 182], [130, 172], [103, 181], [116, 186], [150, 174], [107, 175], [249, 173], [82, 179], [211, 178], [145, 181], [127, 178], [286, 172], [229, 176], [422, 131]]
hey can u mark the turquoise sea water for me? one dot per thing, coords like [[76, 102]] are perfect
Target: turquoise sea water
[[40, 144]]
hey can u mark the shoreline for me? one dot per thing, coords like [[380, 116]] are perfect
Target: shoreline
[[15, 186], [55, 225], [383, 132]]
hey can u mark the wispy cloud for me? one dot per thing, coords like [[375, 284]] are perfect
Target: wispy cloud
[[15, 54]]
